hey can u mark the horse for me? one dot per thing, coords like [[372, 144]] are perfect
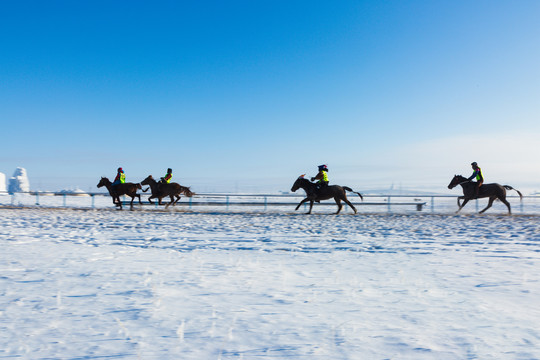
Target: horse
[[313, 194], [493, 191], [129, 189], [159, 191]]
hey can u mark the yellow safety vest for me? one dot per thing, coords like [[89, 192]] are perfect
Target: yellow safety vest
[[325, 176]]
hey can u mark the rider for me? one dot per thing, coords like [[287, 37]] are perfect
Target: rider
[[167, 178], [322, 177], [120, 177], [477, 174]]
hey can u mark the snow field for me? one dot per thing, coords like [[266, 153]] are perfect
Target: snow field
[[90, 284]]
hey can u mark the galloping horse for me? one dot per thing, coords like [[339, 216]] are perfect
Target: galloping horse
[[160, 191], [333, 191], [129, 189], [493, 191]]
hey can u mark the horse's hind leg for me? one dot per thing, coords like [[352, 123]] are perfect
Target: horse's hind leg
[[503, 200], [490, 202], [339, 204], [351, 205]]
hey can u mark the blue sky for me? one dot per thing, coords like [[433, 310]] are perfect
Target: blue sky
[[247, 95]]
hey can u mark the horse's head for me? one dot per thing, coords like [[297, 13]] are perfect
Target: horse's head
[[298, 183], [149, 180], [456, 180], [103, 182]]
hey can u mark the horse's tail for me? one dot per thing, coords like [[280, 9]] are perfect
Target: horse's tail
[[508, 187], [351, 190], [186, 190]]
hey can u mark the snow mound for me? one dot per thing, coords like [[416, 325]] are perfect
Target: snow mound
[[74, 192], [19, 181], [2, 182]]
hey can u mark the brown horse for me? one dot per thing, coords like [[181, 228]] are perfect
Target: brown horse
[[493, 191], [313, 194], [129, 189], [172, 190]]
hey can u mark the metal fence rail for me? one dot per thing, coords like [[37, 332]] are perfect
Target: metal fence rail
[[228, 200]]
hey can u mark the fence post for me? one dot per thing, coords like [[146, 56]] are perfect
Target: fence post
[[265, 203], [476, 205], [388, 202], [433, 204], [93, 203], [37, 198], [190, 202], [227, 200], [65, 200]]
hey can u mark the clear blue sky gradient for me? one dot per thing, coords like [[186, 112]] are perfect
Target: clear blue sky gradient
[[247, 95]]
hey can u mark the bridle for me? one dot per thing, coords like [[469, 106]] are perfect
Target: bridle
[[461, 183]]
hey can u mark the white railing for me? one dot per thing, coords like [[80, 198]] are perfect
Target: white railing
[[388, 202]]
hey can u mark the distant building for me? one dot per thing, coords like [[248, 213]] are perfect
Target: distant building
[[2, 183], [19, 181]]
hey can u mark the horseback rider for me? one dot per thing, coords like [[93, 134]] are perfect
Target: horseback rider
[[167, 178], [322, 177], [120, 177], [477, 174]]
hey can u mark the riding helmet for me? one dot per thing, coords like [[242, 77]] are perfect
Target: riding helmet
[[474, 163], [323, 168], [169, 171]]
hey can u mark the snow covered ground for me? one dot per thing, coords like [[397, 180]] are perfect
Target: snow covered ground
[[146, 284]]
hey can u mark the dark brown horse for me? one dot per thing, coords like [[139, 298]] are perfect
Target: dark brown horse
[[313, 194], [129, 189], [172, 190], [493, 191]]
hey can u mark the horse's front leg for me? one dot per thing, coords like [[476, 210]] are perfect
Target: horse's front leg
[[462, 205], [118, 202], [301, 202], [460, 198], [310, 206]]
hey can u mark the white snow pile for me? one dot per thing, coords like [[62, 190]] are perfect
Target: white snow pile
[[2, 183], [93, 284], [19, 181], [74, 192]]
